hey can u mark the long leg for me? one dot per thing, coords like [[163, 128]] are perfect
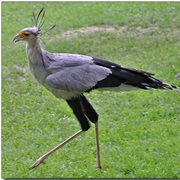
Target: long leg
[[93, 117], [81, 108], [41, 159], [97, 146], [78, 110]]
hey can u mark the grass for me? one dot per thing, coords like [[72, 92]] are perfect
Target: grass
[[139, 131]]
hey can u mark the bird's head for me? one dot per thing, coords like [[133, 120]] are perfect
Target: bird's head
[[27, 34], [31, 33]]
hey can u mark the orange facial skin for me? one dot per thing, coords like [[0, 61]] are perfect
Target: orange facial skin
[[24, 34]]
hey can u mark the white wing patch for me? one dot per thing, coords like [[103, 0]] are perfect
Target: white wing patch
[[121, 88]]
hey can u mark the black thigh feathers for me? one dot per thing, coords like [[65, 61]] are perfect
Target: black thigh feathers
[[83, 110]]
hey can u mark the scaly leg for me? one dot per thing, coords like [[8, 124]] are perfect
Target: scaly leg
[[41, 159], [97, 146]]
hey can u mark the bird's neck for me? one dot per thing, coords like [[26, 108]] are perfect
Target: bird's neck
[[34, 51], [36, 61]]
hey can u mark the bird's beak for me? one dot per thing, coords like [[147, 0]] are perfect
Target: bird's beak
[[16, 38]]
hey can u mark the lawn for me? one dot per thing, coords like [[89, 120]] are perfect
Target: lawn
[[139, 130]]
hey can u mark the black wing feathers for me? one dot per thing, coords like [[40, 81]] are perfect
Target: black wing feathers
[[128, 76], [105, 63]]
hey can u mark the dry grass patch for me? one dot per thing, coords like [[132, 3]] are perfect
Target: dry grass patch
[[92, 29]]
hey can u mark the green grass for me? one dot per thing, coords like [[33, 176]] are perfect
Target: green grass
[[139, 131]]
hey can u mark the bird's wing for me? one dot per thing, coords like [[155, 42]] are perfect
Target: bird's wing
[[79, 73], [58, 61], [71, 72]]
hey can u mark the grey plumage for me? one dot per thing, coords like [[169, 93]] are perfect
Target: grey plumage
[[69, 76], [82, 74]]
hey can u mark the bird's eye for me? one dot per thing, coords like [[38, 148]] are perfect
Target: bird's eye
[[26, 34]]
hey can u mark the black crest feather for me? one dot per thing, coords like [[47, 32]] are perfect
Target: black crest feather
[[38, 20]]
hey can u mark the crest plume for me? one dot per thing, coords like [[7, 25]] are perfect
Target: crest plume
[[36, 21]]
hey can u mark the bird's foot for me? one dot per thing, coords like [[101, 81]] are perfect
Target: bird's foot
[[38, 162], [99, 168]]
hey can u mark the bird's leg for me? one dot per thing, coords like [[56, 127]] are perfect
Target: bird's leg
[[97, 146], [41, 159], [93, 117]]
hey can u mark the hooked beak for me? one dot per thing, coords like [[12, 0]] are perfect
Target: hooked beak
[[16, 38]]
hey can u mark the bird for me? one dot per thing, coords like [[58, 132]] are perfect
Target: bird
[[70, 76]]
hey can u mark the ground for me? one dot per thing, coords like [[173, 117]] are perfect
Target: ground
[[139, 130]]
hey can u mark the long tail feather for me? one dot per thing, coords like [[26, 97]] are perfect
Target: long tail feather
[[125, 78]]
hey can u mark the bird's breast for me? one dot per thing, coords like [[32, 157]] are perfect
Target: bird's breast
[[38, 72]]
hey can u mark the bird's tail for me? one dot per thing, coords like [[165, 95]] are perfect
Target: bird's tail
[[142, 79], [153, 83], [127, 79], [169, 86]]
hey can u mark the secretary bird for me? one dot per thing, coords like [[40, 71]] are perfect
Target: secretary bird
[[69, 76]]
